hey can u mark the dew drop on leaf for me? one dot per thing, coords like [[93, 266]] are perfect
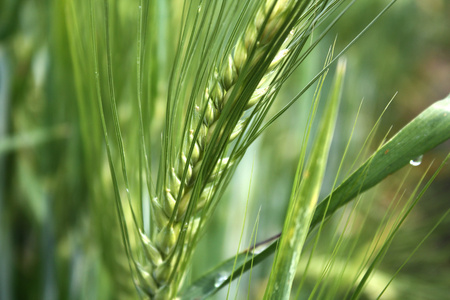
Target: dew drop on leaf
[[221, 277], [416, 161]]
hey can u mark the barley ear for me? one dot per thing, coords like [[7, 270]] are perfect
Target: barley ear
[[218, 118]]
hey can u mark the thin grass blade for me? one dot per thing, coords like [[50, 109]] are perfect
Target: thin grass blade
[[394, 231], [220, 275], [303, 200], [425, 132]]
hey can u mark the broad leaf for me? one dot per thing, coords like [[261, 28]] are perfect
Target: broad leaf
[[426, 131]]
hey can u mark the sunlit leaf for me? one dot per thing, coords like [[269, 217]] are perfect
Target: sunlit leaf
[[426, 131], [304, 197]]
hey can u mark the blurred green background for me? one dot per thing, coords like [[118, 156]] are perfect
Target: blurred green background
[[58, 231]]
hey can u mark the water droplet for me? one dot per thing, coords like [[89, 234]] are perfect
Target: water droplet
[[416, 161], [220, 279], [199, 8]]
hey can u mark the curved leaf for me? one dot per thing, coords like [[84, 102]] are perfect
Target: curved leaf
[[426, 131], [220, 276]]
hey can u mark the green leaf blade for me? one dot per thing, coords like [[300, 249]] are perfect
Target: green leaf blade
[[426, 131], [303, 200], [436, 119], [220, 276]]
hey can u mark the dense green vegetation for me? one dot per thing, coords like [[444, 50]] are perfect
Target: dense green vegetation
[[73, 71]]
